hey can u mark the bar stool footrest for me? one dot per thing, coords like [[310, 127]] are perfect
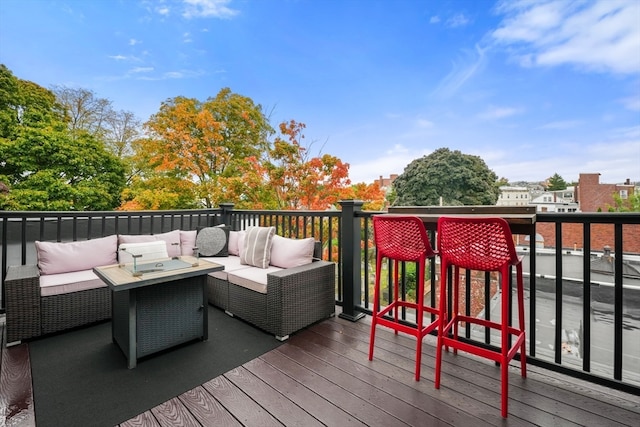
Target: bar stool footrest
[[494, 355]]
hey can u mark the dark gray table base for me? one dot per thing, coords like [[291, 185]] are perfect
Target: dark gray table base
[[153, 318]]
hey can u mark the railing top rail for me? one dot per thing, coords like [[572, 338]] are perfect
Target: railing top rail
[[71, 214], [297, 212], [590, 217], [475, 209]]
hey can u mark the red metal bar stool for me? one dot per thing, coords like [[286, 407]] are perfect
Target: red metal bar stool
[[402, 238], [482, 244]]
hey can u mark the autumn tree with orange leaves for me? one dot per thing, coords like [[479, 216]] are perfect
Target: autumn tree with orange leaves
[[207, 143], [299, 181], [199, 154]]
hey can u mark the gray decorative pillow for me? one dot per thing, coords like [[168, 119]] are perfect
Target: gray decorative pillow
[[257, 246], [213, 241]]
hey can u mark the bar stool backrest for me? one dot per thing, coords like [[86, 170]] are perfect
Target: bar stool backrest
[[483, 244], [401, 237]]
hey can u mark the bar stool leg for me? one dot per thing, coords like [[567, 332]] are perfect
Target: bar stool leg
[[376, 305], [419, 317], [504, 339], [442, 322], [395, 293], [523, 346]]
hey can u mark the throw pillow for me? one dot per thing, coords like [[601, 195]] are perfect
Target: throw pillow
[[257, 246], [171, 238], [187, 242], [287, 253], [233, 243], [213, 241], [56, 258]]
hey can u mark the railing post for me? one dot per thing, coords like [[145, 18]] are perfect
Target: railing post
[[226, 214], [351, 251]]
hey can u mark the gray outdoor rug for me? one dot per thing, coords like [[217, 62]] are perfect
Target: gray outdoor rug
[[80, 378]]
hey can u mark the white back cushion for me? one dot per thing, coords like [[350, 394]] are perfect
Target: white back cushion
[[56, 258]]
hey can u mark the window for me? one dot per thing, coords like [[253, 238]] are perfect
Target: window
[[623, 194]]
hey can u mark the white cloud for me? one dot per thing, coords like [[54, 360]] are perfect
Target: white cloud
[[208, 9], [617, 157], [496, 113], [561, 125], [458, 20], [463, 69], [601, 36], [627, 133], [133, 42], [434, 19], [631, 103], [141, 70], [173, 75], [424, 123], [393, 161], [163, 10], [124, 58]]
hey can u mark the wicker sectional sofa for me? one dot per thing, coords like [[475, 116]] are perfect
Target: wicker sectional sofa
[[63, 293], [292, 299]]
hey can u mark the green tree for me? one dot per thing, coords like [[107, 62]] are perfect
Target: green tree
[[457, 178], [630, 204], [43, 164], [556, 183]]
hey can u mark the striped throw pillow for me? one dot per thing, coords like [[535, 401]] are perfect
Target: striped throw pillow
[[257, 246]]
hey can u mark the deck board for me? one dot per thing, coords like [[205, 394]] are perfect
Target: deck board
[[322, 376], [286, 411], [238, 403], [146, 419], [316, 406], [207, 410], [16, 398], [174, 414]]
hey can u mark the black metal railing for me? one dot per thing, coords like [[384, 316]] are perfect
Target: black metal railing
[[581, 321]]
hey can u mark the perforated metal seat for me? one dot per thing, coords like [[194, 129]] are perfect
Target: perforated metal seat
[[482, 244], [402, 238]]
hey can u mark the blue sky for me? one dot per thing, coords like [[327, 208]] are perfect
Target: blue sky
[[532, 87]]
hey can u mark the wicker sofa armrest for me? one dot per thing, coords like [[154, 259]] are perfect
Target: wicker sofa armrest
[[300, 296], [22, 293]]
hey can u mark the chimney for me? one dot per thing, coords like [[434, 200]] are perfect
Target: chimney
[[628, 181]]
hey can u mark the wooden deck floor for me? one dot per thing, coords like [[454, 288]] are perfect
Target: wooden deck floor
[[322, 376]]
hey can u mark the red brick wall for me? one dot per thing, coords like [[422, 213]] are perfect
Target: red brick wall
[[601, 235], [594, 196]]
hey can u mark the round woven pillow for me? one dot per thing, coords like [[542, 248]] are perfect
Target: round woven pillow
[[211, 241]]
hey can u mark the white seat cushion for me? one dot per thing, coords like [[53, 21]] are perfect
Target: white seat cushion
[[231, 263], [64, 283], [253, 278]]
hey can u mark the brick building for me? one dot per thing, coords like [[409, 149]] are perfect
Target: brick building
[[595, 197], [601, 236], [385, 183]]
